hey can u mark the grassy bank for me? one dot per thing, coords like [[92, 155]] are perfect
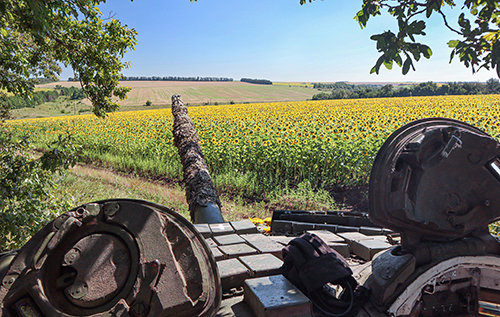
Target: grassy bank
[[84, 183]]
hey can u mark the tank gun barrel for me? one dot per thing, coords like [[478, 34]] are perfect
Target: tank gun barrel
[[201, 195]]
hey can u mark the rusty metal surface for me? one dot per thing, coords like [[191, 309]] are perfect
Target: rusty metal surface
[[131, 258], [97, 267], [433, 179]]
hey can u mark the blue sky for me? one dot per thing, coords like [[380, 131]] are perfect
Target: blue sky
[[278, 40]]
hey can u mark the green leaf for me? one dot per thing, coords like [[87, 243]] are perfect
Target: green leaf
[[452, 54], [380, 60], [414, 50], [406, 66], [426, 51], [491, 36], [453, 43], [398, 60], [428, 12], [388, 64]]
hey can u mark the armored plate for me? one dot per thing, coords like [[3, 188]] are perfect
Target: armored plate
[[436, 179], [113, 258]]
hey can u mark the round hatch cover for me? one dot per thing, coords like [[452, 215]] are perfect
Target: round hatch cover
[[119, 257], [436, 179]]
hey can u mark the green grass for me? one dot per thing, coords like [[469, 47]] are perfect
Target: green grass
[[83, 184], [62, 106]]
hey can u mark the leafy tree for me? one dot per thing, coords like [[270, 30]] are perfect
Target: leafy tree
[[37, 35], [493, 86], [425, 89], [387, 90], [477, 46], [344, 91]]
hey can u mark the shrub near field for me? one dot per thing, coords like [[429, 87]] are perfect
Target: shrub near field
[[254, 148]]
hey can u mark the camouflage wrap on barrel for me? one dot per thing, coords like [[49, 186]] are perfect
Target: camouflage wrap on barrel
[[201, 195]]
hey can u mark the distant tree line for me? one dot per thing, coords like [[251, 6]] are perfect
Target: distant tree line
[[492, 86], [43, 96], [342, 85], [169, 78], [257, 81]]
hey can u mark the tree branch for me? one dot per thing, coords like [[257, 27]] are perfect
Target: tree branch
[[447, 25]]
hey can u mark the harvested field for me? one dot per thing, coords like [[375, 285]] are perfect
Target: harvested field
[[193, 92]]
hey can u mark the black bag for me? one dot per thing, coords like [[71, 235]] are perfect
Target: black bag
[[315, 268]]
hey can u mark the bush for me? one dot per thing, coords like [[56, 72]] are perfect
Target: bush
[[148, 103], [25, 185]]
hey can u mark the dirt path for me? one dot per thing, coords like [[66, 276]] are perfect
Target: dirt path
[[87, 183]]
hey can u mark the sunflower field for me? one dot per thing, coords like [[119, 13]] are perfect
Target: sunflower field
[[252, 148]]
